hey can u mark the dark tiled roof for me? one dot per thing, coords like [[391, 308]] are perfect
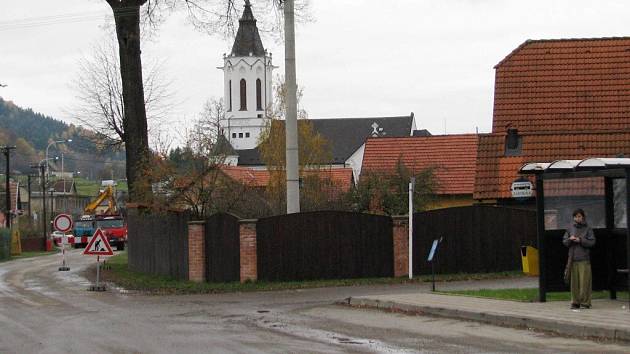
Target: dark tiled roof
[[223, 147], [68, 184], [346, 135], [564, 85], [452, 157], [496, 172], [249, 157], [247, 38]]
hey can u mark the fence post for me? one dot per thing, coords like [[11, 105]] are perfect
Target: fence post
[[197, 251], [249, 259], [400, 235]]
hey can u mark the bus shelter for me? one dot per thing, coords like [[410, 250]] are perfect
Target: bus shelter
[[600, 187]]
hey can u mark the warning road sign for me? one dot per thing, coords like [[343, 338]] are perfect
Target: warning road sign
[[63, 222], [98, 245]]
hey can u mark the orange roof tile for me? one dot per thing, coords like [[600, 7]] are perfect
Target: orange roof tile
[[564, 85], [496, 172], [341, 178], [452, 156]]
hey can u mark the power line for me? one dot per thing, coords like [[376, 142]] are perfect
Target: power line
[[32, 22]]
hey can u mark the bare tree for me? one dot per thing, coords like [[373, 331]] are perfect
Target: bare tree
[[99, 91]]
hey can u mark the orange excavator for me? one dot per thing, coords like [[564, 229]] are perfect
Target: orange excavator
[[95, 207]]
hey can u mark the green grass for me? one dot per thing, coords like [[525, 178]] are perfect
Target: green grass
[[122, 276], [526, 294], [30, 255], [92, 187]]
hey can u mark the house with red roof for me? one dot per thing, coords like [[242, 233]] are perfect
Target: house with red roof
[[451, 157], [555, 99]]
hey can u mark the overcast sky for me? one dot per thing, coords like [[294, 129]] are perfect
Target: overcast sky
[[360, 58]]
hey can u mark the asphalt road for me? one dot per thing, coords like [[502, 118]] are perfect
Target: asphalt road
[[43, 310]]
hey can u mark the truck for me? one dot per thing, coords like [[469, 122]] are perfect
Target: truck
[[102, 213]]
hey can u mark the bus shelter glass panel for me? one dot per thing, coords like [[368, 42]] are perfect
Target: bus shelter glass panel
[[562, 196], [619, 197]]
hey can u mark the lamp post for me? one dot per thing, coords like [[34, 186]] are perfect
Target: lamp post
[[42, 169], [51, 144]]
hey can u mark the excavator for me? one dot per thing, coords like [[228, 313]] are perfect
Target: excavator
[[103, 216]]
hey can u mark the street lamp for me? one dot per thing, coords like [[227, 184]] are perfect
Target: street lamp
[[49, 145]]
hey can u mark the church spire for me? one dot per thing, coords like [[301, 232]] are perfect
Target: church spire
[[247, 40]]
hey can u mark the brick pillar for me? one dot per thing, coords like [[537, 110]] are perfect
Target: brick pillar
[[401, 245], [249, 259], [197, 251]]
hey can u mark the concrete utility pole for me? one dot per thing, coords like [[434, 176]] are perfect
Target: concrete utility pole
[[293, 182], [7, 154]]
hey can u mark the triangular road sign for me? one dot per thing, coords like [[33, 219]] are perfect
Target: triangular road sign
[[98, 245]]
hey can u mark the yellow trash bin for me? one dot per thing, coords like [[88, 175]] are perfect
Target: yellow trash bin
[[529, 257]]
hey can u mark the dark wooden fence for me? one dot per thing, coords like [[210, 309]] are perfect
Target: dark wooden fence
[[475, 238], [222, 248], [324, 245], [158, 242]]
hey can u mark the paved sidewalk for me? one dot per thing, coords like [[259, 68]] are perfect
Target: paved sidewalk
[[608, 319]]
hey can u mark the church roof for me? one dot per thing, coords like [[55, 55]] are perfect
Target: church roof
[[344, 135], [223, 147], [247, 38]]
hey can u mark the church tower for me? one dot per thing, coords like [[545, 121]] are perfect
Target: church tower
[[247, 73]]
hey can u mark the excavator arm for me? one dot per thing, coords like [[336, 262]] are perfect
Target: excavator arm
[[107, 194]]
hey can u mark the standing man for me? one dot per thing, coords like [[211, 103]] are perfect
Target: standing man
[[579, 238]]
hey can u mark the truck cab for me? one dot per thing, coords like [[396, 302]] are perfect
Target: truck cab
[[114, 228], [84, 228]]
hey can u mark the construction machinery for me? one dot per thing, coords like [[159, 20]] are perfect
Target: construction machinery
[[102, 213]]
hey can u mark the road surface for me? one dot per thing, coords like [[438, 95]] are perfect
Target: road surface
[[43, 310]]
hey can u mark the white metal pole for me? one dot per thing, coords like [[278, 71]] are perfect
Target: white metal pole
[[410, 241]]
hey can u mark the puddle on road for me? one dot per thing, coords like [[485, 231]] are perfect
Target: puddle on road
[[323, 336]]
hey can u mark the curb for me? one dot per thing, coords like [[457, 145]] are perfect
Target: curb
[[557, 327]]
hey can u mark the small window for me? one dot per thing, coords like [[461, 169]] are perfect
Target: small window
[[247, 135], [233, 135], [258, 95], [240, 135], [230, 96], [243, 95], [259, 115]]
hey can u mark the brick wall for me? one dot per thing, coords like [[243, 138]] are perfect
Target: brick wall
[[401, 245], [249, 261], [196, 251]]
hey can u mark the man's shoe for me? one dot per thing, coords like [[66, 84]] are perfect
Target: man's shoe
[[575, 306], [584, 306]]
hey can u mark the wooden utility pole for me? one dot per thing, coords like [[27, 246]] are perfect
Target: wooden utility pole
[[7, 153]]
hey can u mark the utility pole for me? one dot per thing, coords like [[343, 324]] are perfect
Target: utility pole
[[293, 182], [7, 153], [42, 169]]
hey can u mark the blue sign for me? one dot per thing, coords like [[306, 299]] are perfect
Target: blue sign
[[433, 249]]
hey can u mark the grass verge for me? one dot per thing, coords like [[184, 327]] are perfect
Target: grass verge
[[527, 294], [29, 255], [120, 275]]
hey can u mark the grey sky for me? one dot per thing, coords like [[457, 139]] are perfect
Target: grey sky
[[359, 58]]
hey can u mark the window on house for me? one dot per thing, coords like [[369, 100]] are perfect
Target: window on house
[[240, 135], [233, 135], [230, 96], [243, 95], [247, 135], [258, 95]]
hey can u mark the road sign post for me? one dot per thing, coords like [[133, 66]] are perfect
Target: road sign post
[[63, 223], [98, 246], [431, 259]]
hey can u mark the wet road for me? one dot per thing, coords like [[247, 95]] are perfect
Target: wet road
[[43, 310]]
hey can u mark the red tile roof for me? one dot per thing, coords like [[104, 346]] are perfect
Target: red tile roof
[[341, 178], [564, 85], [496, 172], [452, 156]]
